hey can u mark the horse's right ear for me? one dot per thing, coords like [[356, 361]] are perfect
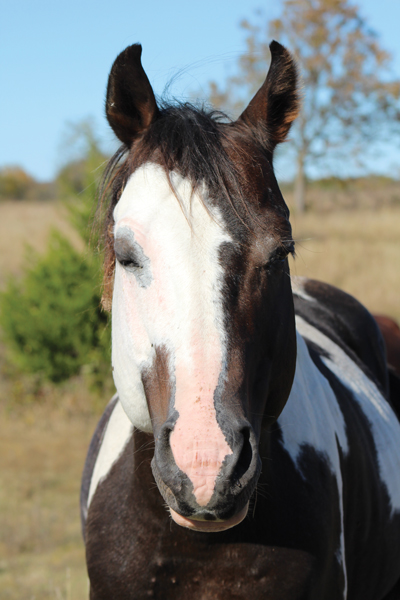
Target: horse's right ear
[[130, 104]]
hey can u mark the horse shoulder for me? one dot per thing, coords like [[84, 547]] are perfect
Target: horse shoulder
[[347, 322]]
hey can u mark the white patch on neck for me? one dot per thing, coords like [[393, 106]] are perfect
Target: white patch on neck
[[312, 417], [384, 424], [116, 435], [181, 308], [312, 403], [298, 288]]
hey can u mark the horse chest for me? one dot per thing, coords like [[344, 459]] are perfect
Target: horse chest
[[316, 494], [136, 551]]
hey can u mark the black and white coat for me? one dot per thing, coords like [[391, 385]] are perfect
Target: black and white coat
[[324, 522], [241, 458]]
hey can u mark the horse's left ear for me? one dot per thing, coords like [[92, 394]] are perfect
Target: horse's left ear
[[276, 104], [130, 104]]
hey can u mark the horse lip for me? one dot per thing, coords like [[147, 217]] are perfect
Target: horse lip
[[209, 526], [202, 518]]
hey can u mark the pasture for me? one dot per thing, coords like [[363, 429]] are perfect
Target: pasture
[[43, 445], [356, 250]]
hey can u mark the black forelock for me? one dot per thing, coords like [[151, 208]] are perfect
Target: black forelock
[[191, 141]]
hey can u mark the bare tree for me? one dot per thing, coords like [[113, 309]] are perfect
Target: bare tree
[[348, 91]]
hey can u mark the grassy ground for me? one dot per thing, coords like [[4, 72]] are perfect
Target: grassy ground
[[358, 251], [42, 451], [43, 445]]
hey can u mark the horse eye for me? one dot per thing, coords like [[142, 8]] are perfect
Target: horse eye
[[291, 249], [128, 263], [281, 253]]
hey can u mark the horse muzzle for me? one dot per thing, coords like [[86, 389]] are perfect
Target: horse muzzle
[[220, 500]]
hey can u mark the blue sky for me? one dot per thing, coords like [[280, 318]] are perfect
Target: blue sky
[[55, 58]]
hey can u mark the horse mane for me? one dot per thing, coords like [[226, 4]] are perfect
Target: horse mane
[[189, 140]]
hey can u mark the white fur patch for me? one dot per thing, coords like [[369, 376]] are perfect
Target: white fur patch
[[180, 309], [312, 417], [384, 425], [311, 405], [298, 288], [117, 434]]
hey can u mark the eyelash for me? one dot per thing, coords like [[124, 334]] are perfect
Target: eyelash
[[282, 253], [128, 263]]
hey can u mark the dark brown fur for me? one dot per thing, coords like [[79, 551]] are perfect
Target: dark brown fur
[[174, 563]]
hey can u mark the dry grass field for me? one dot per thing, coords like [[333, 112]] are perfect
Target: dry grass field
[[24, 225], [43, 444], [358, 251], [42, 450]]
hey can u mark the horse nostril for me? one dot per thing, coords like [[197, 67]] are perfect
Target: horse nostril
[[163, 452], [165, 433], [245, 457]]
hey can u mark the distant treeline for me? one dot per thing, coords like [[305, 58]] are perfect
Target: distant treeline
[[330, 193], [324, 193], [17, 184]]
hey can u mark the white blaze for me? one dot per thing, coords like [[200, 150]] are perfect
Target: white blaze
[[180, 309]]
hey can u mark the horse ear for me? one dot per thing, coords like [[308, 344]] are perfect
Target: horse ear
[[130, 104], [277, 103]]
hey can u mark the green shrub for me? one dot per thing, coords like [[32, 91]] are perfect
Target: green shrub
[[51, 320], [77, 181]]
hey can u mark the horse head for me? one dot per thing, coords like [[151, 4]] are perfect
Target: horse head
[[203, 332]]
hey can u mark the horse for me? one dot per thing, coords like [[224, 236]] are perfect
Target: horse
[[251, 450], [391, 334]]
